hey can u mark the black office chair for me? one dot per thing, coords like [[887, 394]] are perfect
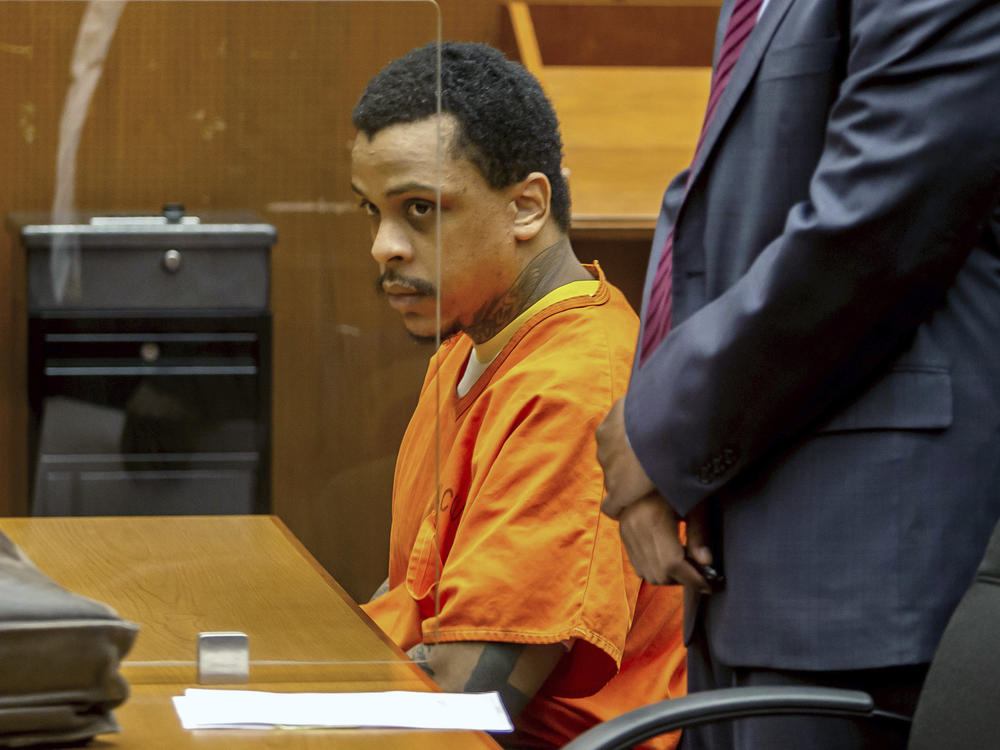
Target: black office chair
[[958, 706]]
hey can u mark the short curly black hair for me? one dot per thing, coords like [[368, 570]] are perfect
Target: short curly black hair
[[507, 126]]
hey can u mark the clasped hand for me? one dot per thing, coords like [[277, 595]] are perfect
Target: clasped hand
[[648, 525]]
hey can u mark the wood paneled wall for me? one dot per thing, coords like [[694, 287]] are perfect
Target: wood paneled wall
[[620, 32], [222, 105]]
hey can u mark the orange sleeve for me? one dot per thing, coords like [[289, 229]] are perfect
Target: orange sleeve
[[397, 614]]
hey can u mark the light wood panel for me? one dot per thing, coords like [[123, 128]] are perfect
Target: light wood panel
[[177, 576], [626, 133], [629, 83]]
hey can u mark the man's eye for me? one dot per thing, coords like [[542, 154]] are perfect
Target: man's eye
[[420, 209], [369, 208]]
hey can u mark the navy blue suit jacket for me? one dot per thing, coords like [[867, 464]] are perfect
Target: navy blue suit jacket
[[831, 387]]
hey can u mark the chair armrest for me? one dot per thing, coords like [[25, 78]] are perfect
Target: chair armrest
[[709, 706]]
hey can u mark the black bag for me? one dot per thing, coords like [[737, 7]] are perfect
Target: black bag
[[59, 658]]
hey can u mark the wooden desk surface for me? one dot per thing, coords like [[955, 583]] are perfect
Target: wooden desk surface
[[179, 576], [627, 131]]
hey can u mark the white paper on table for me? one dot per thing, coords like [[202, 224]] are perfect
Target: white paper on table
[[252, 709]]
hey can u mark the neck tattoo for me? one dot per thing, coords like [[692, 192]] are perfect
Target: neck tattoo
[[543, 273]]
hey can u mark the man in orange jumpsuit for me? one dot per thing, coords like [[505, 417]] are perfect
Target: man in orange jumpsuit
[[503, 573]]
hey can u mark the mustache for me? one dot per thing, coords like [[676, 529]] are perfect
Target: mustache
[[419, 286]]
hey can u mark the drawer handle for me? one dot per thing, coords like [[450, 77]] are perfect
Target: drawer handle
[[149, 351], [172, 260]]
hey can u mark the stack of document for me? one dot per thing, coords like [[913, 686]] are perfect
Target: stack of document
[[249, 709]]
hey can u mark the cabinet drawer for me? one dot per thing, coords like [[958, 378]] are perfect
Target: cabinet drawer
[[219, 260], [156, 276]]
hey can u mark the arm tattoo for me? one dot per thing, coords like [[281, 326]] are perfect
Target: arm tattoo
[[493, 671], [510, 669], [418, 654]]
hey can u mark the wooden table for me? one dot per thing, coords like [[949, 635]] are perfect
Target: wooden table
[[179, 576]]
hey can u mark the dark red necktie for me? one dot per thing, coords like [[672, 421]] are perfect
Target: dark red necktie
[[658, 311]]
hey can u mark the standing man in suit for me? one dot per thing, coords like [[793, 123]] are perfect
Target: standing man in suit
[[824, 412]]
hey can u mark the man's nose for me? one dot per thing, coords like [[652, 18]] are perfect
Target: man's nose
[[391, 244]]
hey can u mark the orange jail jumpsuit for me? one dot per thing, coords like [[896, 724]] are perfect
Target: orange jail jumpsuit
[[514, 547]]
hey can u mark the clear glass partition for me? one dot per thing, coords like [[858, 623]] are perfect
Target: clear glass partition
[[198, 332]]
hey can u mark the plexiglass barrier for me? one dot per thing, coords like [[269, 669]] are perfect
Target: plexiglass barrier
[[199, 341]]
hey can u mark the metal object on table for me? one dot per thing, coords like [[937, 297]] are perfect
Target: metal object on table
[[223, 658]]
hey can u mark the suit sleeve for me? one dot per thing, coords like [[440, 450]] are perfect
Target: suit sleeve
[[908, 176]]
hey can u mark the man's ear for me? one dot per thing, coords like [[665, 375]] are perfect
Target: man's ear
[[531, 205]]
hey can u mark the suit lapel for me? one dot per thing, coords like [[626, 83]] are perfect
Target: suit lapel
[[743, 73]]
